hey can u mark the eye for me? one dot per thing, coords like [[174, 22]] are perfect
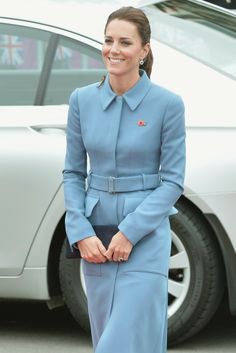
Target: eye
[[108, 41], [124, 42]]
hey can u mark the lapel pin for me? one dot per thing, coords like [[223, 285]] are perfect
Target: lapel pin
[[141, 123]]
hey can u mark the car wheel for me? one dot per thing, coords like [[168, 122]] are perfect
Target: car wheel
[[196, 279], [73, 288]]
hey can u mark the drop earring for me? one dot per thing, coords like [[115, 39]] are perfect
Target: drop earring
[[141, 62]]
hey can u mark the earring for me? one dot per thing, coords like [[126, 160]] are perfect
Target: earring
[[141, 62]]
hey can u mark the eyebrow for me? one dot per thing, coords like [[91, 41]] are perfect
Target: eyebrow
[[120, 38]]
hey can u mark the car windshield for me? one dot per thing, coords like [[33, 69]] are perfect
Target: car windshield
[[198, 31]]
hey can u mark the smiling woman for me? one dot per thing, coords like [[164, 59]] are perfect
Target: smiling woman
[[134, 188]]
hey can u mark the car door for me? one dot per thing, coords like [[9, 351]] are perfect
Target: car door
[[38, 71]]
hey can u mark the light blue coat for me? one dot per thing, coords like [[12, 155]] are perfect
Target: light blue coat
[[139, 133]]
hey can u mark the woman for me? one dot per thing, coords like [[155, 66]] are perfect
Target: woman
[[134, 134]]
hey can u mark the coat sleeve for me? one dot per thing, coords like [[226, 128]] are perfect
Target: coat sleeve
[[74, 176], [158, 204]]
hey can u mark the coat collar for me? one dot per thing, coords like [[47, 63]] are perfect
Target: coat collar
[[132, 97]]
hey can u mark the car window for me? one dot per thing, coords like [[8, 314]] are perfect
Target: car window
[[75, 65], [200, 32], [22, 52]]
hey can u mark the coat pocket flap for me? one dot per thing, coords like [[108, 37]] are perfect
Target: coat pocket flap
[[90, 203], [131, 203]]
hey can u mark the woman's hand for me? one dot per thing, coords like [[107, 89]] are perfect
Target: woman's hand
[[119, 248], [92, 249]]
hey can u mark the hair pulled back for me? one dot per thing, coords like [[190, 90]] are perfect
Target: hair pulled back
[[140, 20]]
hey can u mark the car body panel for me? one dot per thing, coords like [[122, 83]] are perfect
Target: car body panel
[[30, 151], [38, 256], [31, 284]]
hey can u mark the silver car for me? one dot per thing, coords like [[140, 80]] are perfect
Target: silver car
[[46, 52]]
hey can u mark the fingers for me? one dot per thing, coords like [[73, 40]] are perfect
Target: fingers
[[119, 248], [92, 250], [102, 249], [109, 253], [117, 254], [94, 256]]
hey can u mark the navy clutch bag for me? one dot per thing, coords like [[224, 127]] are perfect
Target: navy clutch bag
[[104, 233]]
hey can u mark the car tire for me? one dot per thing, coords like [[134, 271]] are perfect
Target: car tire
[[196, 276], [73, 288]]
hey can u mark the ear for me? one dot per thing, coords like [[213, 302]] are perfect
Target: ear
[[145, 50]]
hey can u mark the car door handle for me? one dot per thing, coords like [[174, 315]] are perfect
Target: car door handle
[[50, 129]]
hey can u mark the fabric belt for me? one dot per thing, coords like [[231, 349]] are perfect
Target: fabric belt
[[124, 184]]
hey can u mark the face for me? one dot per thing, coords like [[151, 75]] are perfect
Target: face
[[122, 49]]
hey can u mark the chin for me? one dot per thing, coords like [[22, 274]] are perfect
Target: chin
[[115, 72]]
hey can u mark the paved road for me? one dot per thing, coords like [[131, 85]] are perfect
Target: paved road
[[32, 328]]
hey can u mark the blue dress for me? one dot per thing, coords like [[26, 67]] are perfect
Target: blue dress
[[136, 149]]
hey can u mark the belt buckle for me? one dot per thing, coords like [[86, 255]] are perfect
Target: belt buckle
[[111, 185]]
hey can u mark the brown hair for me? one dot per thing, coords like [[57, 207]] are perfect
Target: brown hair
[[140, 20]]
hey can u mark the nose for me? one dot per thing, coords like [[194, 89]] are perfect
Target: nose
[[115, 48]]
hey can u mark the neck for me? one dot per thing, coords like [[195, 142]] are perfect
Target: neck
[[121, 84]]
